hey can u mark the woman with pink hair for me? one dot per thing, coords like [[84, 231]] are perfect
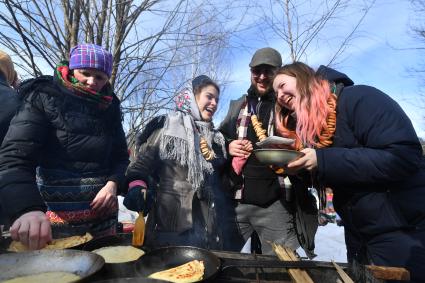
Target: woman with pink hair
[[359, 142]]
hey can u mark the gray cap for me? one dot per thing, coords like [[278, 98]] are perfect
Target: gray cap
[[266, 56]]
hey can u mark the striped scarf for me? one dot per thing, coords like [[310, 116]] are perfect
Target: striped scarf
[[65, 76], [242, 123], [244, 119]]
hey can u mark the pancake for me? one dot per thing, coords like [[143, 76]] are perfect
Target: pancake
[[119, 254], [55, 244], [192, 271]]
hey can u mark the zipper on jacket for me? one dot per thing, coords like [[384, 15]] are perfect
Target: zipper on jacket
[[257, 109]]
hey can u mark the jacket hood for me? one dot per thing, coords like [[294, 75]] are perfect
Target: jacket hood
[[334, 76]]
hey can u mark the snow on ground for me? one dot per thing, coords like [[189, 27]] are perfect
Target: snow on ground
[[330, 243]]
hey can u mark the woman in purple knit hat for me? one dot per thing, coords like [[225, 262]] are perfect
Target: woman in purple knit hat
[[65, 154]]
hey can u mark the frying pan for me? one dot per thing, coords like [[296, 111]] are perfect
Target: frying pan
[[169, 257], [81, 263]]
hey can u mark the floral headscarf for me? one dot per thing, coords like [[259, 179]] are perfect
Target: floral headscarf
[[181, 137]]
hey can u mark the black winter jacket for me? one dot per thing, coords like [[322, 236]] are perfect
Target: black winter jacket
[[56, 129], [261, 185], [375, 152]]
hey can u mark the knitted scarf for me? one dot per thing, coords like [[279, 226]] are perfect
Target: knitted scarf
[[181, 136], [64, 75]]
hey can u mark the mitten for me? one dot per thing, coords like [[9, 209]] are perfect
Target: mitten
[[135, 199]]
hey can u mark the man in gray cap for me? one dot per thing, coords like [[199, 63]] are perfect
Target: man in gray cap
[[261, 206]]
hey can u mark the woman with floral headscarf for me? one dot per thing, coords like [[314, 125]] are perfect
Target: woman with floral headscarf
[[186, 156], [65, 154]]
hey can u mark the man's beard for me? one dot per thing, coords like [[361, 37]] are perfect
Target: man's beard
[[257, 93]]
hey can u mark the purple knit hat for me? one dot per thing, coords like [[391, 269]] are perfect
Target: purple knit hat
[[90, 56]]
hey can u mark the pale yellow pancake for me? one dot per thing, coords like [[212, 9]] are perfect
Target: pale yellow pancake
[[119, 254]]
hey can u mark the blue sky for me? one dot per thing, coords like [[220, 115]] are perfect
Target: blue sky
[[380, 55]]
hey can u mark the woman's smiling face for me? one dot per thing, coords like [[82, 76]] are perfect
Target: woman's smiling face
[[286, 91], [207, 101]]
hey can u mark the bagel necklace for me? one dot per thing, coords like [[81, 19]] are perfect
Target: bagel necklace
[[258, 128], [206, 151], [327, 134]]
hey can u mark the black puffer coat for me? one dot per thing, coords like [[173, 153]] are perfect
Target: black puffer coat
[[377, 171], [55, 129]]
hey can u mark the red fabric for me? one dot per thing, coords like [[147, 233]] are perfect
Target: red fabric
[[71, 216], [238, 163], [64, 74]]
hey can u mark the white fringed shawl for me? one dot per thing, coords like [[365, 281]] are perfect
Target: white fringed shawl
[[181, 136]]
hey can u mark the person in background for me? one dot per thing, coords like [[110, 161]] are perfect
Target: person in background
[[259, 191], [65, 154], [185, 156], [8, 94], [10, 103], [359, 142]]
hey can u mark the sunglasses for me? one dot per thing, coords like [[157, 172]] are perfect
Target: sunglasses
[[266, 71]]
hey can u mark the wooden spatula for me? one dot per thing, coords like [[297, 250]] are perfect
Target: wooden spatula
[[139, 231], [139, 228]]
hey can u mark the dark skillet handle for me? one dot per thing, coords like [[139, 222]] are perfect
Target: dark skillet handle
[[231, 263], [228, 263]]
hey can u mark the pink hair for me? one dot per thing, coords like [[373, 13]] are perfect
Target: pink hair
[[311, 105]]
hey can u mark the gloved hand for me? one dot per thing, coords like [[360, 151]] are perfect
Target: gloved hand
[[135, 200]]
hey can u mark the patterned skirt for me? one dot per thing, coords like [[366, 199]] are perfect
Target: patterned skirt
[[68, 196]]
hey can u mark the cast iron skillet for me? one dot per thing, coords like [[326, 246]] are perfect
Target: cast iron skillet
[[81, 263], [169, 257]]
